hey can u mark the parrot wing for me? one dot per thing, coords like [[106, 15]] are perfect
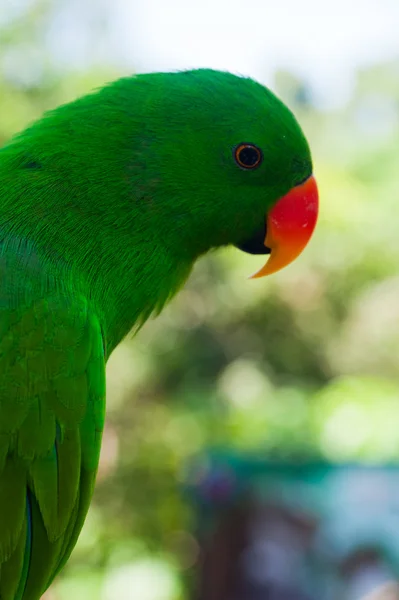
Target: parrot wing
[[52, 402]]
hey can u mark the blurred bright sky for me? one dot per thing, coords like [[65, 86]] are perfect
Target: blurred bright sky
[[323, 41]]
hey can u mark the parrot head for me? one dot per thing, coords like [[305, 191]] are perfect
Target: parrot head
[[231, 166]]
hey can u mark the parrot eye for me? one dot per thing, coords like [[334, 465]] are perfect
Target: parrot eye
[[248, 156]]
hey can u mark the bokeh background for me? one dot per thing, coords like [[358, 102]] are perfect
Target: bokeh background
[[304, 364]]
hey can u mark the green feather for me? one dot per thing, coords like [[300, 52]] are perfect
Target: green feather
[[62, 400]]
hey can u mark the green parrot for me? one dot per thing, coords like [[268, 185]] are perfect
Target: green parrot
[[105, 205]]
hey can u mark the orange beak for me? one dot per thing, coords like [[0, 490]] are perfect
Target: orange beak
[[289, 226]]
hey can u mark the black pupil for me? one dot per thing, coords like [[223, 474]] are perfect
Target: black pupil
[[248, 156]]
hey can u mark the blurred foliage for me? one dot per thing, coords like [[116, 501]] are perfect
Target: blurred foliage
[[303, 364]]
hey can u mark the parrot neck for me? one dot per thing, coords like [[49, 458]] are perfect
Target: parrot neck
[[129, 292], [126, 288], [125, 281]]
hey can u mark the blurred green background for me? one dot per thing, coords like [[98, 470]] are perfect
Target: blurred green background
[[304, 364]]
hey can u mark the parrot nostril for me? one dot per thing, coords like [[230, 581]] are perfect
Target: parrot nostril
[[302, 169], [303, 180]]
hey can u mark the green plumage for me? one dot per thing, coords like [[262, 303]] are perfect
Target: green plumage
[[105, 204]]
